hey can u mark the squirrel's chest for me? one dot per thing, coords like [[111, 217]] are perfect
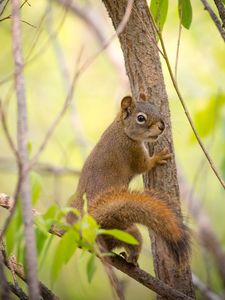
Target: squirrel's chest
[[137, 159]]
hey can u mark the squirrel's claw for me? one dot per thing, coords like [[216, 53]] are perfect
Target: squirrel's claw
[[162, 156]]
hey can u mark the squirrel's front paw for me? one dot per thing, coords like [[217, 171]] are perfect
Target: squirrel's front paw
[[162, 156]]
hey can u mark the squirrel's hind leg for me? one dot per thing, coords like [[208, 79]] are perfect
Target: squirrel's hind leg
[[132, 251]]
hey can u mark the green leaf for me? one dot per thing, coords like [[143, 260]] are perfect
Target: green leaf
[[43, 225], [120, 235], [89, 229], [70, 242], [44, 252], [41, 238], [185, 12], [15, 226], [64, 251], [159, 9], [36, 186], [91, 267], [21, 256], [51, 212]]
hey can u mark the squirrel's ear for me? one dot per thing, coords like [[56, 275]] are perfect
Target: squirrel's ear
[[127, 105], [143, 96]]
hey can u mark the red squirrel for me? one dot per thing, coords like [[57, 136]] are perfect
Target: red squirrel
[[119, 155]]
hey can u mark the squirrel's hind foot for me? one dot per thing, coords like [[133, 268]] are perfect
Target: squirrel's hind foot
[[130, 258]]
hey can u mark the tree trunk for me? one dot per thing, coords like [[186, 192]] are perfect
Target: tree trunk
[[143, 67]]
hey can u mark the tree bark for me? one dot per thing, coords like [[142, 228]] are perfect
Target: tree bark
[[143, 68]]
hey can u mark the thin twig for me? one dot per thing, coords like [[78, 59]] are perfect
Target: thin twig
[[56, 121], [10, 267], [118, 262], [22, 135], [42, 49], [116, 284], [4, 7], [114, 281], [8, 220], [95, 23], [106, 43], [178, 43], [206, 233], [67, 102], [15, 289], [4, 287], [6, 131], [9, 165], [207, 293], [82, 141], [19, 271], [10, 16], [221, 10], [165, 56], [214, 18], [210, 161], [20, 179], [36, 38]]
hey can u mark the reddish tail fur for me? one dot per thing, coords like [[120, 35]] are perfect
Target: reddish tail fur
[[120, 209]]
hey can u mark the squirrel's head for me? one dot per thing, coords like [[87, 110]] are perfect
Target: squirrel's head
[[141, 120]]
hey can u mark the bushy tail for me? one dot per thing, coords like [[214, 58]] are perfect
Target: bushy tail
[[121, 208]]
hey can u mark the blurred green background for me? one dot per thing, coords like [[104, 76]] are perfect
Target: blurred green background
[[62, 39]]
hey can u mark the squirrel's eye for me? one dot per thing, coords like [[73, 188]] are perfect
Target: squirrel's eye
[[141, 118]]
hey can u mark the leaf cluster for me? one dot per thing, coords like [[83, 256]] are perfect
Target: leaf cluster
[[159, 10], [82, 234]]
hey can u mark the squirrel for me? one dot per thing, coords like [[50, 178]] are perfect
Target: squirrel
[[119, 155]]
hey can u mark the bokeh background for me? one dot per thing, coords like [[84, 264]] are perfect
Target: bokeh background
[[56, 43]]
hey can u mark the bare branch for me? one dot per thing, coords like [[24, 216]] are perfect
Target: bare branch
[[10, 16], [7, 134], [54, 124], [76, 122], [204, 289], [116, 285], [23, 180], [15, 289], [147, 280], [8, 164], [205, 231], [75, 77], [118, 262], [178, 43], [8, 203], [4, 287], [214, 18], [93, 20], [106, 43], [30, 60], [19, 271], [221, 10], [3, 6]]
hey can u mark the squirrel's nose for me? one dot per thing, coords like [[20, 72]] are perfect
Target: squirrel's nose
[[161, 125]]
